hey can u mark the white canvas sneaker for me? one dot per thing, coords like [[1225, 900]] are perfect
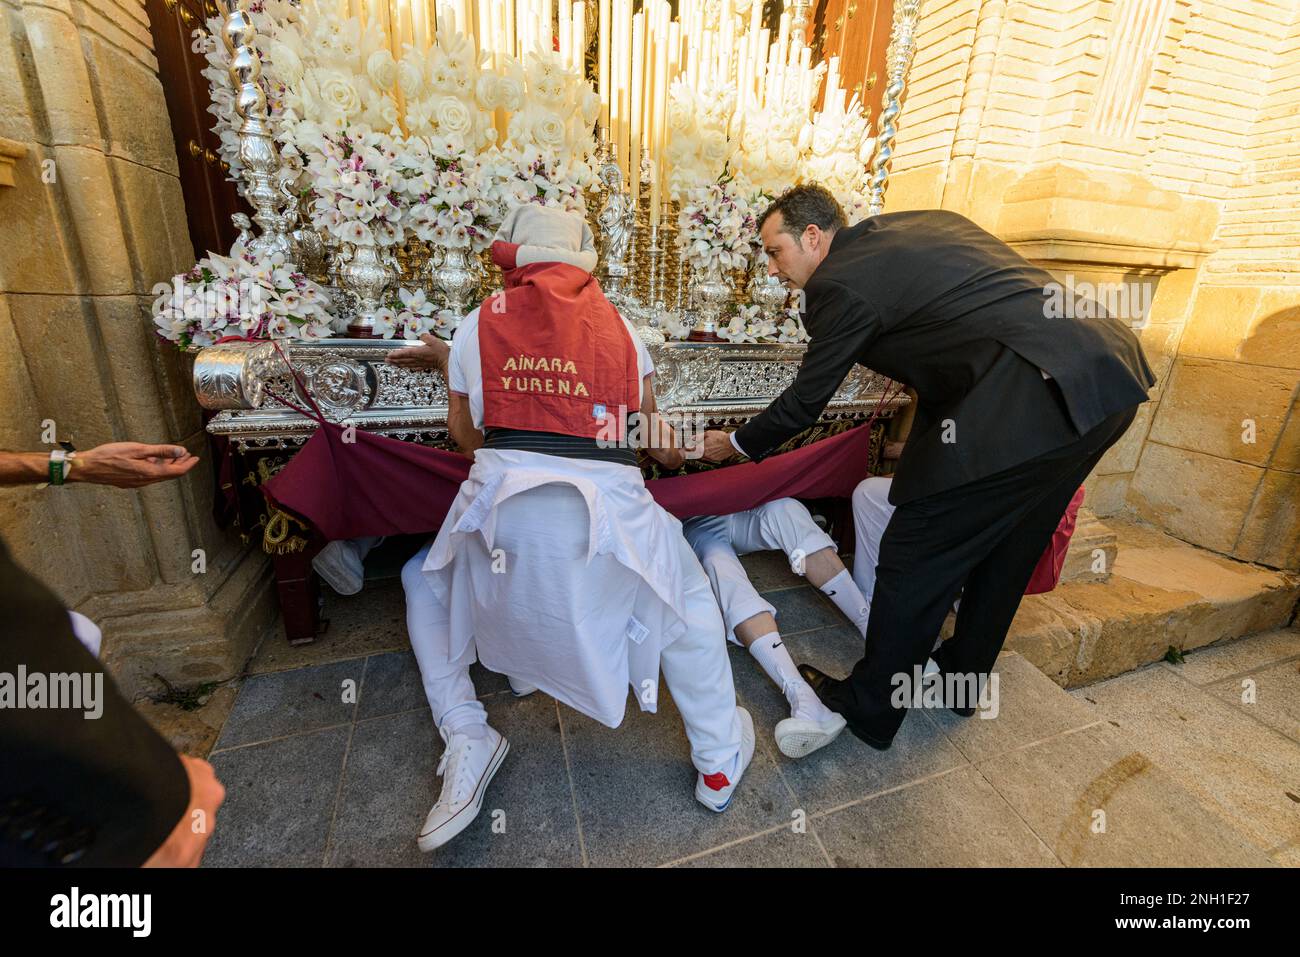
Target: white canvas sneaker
[[811, 724], [715, 790], [466, 767], [339, 564]]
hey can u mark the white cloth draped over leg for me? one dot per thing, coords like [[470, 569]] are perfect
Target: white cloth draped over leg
[[568, 576], [720, 540]]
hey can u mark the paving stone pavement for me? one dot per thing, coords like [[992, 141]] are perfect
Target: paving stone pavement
[[1106, 775]]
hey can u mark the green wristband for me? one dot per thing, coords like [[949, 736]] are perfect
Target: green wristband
[[58, 469]]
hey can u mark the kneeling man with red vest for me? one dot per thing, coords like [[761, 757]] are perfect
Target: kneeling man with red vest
[[554, 565]]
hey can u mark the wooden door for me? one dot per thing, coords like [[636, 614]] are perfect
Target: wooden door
[[857, 31], [179, 38]]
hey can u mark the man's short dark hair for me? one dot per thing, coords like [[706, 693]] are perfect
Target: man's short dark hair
[[805, 205]]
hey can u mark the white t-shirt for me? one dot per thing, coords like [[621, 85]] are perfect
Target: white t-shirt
[[465, 371]]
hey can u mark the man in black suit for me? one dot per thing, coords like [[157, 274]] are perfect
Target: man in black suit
[[1014, 409]]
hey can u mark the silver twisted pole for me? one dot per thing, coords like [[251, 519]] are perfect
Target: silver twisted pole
[[902, 46], [257, 152]]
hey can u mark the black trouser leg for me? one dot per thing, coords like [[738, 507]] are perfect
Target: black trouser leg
[[986, 534], [996, 585]]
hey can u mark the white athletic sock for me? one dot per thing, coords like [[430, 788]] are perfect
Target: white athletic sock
[[769, 651], [844, 591]]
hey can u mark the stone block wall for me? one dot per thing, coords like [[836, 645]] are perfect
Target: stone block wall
[[94, 219], [1151, 140]]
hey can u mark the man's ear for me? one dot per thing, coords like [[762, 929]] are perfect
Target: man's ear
[[813, 234]]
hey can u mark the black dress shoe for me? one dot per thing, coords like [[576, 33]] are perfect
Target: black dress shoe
[[817, 680], [824, 686]]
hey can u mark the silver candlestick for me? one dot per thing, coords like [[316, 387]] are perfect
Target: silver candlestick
[[799, 23], [257, 152]]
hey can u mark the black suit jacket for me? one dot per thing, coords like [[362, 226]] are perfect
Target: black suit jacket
[[928, 298], [103, 791]]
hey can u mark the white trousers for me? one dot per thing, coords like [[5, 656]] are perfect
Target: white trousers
[[695, 666], [720, 540], [871, 514]]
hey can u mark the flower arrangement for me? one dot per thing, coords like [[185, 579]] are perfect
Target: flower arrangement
[[548, 153], [244, 294], [700, 148], [447, 194], [773, 145], [442, 91], [747, 325], [839, 149], [327, 78], [716, 225], [408, 314], [360, 192], [529, 174], [772, 142], [792, 328]]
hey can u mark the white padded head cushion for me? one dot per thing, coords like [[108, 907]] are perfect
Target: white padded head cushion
[[548, 234]]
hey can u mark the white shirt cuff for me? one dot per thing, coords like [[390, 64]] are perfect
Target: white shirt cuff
[[736, 445]]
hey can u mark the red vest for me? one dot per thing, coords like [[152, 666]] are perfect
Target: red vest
[[555, 355]]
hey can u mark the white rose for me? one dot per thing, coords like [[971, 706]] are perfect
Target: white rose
[[823, 141], [714, 149], [679, 116], [409, 78], [488, 91], [452, 116], [547, 129], [848, 168], [382, 69], [590, 107], [754, 135], [385, 111], [287, 63], [783, 156], [339, 94], [510, 93]]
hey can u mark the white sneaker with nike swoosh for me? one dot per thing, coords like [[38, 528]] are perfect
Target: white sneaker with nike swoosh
[[811, 724]]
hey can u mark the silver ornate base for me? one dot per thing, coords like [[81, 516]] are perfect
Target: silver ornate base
[[352, 383]]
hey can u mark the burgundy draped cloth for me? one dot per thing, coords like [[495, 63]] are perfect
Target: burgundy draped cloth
[[381, 486], [1047, 573], [374, 485]]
